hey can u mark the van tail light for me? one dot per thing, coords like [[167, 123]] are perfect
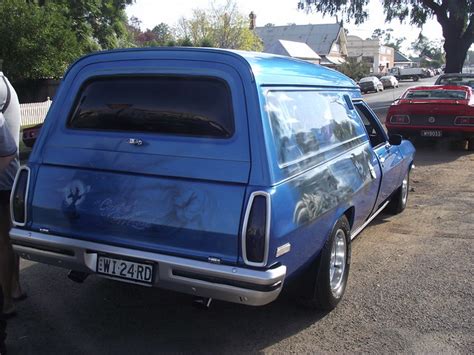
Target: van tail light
[[400, 119], [19, 197], [256, 229], [464, 121]]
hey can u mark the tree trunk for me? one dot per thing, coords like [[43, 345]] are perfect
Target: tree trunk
[[456, 52]]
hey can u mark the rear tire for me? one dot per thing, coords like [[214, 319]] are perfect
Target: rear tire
[[325, 282], [399, 201], [415, 78]]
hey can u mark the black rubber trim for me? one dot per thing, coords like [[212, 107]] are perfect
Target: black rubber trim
[[218, 280], [43, 248]]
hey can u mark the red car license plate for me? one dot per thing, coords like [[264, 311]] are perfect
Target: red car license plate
[[431, 133]]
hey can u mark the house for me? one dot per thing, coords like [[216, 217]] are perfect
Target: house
[[371, 51], [327, 40], [297, 50], [402, 61]]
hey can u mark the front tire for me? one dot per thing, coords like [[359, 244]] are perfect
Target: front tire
[[327, 278], [399, 201]]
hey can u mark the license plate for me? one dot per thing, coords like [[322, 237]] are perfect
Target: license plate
[[431, 133], [125, 269]]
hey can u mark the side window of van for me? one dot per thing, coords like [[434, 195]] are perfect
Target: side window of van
[[199, 107], [374, 131], [307, 123]]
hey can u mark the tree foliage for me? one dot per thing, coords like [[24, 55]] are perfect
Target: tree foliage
[[220, 26], [98, 24], [37, 42], [431, 50], [387, 38], [41, 38], [354, 68], [456, 18]]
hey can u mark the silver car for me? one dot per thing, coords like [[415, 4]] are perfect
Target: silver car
[[389, 81]]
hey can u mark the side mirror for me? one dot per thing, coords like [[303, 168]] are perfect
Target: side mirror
[[395, 139]]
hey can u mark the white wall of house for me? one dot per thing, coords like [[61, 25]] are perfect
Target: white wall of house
[[372, 51]]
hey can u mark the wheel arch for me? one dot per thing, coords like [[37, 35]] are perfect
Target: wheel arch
[[350, 213]]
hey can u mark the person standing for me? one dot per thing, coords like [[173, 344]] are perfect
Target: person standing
[[9, 165]]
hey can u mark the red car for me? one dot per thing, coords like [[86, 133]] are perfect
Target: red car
[[434, 111]]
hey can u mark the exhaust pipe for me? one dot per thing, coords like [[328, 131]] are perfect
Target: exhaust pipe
[[203, 303], [77, 276]]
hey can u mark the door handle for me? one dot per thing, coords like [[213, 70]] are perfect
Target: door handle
[[135, 141]]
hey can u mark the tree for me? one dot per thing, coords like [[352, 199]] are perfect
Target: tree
[[429, 49], [98, 24], [221, 26], [354, 68], [387, 39], [162, 34], [456, 18], [37, 41]]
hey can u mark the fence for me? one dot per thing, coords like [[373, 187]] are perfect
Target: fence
[[34, 113]]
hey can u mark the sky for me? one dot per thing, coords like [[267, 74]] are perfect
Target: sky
[[278, 12]]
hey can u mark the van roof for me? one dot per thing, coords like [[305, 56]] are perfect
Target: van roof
[[267, 69]]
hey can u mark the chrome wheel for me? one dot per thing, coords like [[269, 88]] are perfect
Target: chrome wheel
[[405, 189], [337, 265]]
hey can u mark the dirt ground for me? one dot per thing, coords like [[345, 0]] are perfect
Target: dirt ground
[[410, 290]]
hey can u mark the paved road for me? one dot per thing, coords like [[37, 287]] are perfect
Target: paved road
[[381, 101], [410, 290]]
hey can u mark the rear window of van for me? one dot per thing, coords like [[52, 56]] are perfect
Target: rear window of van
[[307, 123], [199, 107]]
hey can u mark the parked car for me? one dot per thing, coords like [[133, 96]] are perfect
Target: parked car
[[370, 83], [221, 174], [434, 112], [389, 81], [456, 79], [30, 134]]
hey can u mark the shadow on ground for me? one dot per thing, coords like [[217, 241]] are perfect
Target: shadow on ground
[[104, 316], [438, 151]]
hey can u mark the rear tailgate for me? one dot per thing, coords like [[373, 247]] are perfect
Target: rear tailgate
[[110, 173]]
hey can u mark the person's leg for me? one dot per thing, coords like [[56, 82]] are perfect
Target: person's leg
[[17, 293], [7, 260], [3, 326]]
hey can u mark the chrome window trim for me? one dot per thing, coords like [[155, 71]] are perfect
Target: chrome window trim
[[267, 229], [15, 183], [466, 124]]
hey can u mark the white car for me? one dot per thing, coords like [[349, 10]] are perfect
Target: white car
[[389, 81], [370, 83]]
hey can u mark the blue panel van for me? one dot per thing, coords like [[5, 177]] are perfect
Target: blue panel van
[[221, 174]]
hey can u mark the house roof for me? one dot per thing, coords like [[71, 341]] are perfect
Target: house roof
[[293, 49], [399, 57], [319, 37]]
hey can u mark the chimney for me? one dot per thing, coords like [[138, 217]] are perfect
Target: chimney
[[253, 20]]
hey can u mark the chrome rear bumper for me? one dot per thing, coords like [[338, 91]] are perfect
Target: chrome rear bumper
[[223, 282]]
